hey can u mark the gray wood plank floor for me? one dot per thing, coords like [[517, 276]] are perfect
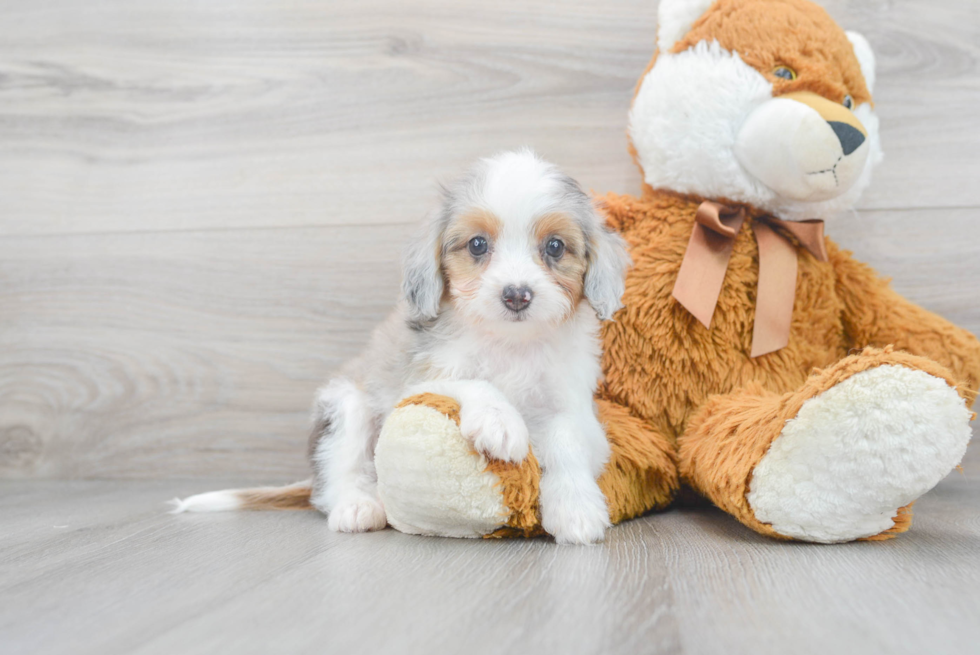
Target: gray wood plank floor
[[201, 212], [97, 567]]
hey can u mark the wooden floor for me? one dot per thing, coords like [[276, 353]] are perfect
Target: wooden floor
[[97, 567], [202, 206]]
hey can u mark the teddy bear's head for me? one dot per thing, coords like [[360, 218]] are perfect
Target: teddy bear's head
[[764, 102]]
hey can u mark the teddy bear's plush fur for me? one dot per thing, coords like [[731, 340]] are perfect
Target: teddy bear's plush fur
[[828, 439]]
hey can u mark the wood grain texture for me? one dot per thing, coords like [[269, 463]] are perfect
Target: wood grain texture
[[96, 567], [154, 355], [133, 115], [197, 353], [202, 205]]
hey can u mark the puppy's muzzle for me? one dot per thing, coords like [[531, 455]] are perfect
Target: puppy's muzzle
[[516, 298]]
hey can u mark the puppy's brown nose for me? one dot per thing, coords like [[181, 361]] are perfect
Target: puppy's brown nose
[[516, 298]]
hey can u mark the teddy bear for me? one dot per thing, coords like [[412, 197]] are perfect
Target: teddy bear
[[754, 361]]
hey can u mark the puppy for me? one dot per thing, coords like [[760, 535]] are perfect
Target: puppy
[[503, 293]]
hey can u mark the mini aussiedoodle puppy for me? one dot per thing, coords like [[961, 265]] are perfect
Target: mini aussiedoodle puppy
[[503, 293]]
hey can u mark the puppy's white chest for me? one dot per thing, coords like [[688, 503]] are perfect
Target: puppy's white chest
[[522, 373]]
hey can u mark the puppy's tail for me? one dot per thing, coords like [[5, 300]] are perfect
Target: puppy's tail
[[291, 496]]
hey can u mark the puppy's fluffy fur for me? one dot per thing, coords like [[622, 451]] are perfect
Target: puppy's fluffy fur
[[503, 293]]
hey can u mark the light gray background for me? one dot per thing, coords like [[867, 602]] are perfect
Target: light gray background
[[202, 206]]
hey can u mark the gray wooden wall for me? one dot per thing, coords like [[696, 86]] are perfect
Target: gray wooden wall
[[202, 204]]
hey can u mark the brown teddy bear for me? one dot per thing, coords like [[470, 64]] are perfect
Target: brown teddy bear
[[754, 361]]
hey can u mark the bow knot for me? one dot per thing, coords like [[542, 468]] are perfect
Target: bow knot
[[706, 259]]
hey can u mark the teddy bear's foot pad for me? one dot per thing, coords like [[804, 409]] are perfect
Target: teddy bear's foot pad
[[858, 452], [431, 479]]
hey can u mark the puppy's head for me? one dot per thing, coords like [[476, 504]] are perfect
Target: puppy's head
[[516, 246]]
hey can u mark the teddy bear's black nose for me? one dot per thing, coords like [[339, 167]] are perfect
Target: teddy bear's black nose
[[850, 137]]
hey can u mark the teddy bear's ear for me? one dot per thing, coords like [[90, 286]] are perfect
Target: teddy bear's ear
[[865, 56], [675, 19]]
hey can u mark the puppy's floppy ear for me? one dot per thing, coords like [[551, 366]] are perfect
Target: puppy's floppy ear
[[422, 282], [605, 279]]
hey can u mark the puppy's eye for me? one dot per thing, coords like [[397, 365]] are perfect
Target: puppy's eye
[[478, 246], [555, 248], [784, 72], [848, 102]]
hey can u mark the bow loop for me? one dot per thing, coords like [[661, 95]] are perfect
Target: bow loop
[[720, 218]]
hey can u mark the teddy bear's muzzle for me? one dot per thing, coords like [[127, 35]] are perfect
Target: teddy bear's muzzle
[[803, 146]]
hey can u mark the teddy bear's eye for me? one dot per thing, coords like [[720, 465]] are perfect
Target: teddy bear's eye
[[784, 72], [848, 102]]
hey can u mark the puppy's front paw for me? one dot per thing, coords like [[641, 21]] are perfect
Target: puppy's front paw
[[576, 518], [360, 514], [496, 429]]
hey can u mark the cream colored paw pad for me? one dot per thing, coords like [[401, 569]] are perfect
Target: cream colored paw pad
[[430, 479], [859, 451]]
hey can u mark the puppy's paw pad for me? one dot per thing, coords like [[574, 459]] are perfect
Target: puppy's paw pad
[[357, 515], [497, 431]]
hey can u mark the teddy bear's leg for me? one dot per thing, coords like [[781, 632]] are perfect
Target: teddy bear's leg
[[839, 459], [875, 315], [433, 482], [642, 473]]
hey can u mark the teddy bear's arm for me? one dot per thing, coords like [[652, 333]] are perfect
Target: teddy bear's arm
[[875, 315]]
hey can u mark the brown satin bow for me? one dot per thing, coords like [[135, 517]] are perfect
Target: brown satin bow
[[706, 261]]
